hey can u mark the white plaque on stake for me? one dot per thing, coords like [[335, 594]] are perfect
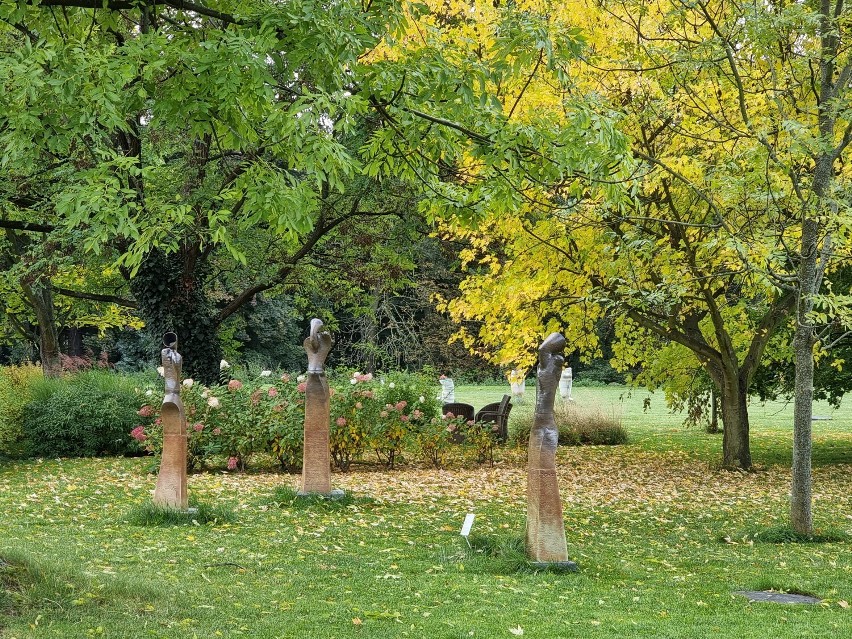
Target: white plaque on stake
[[466, 526]]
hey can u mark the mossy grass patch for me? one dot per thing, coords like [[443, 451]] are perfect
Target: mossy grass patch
[[290, 498], [151, 514], [786, 535]]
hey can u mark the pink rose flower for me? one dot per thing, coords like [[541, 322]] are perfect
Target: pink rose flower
[[232, 463]]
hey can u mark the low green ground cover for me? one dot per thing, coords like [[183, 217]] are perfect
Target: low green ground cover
[[662, 538]]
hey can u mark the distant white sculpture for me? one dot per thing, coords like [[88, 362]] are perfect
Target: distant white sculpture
[[448, 390], [566, 380], [518, 384]]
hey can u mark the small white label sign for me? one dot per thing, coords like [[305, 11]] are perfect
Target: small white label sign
[[467, 525]]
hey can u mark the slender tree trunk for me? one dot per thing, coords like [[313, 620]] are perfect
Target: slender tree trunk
[[713, 426], [801, 516]]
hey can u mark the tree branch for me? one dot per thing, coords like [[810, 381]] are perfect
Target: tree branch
[[96, 297]]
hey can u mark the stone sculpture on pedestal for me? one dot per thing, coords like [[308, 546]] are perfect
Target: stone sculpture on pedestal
[[171, 482], [316, 460], [545, 534]]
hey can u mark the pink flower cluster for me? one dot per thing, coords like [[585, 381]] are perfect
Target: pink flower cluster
[[198, 427], [232, 463], [138, 433], [145, 411], [359, 377], [235, 385]]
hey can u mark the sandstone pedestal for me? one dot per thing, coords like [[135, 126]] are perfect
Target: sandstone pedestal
[[171, 489], [545, 533], [316, 458]]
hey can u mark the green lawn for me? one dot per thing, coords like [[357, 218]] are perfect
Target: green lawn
[[646, 522]]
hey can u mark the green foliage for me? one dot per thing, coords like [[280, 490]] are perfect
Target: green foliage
[[287, 497], [151, 514], [786, 535], [578, 426], [16, 384], [83, 415]]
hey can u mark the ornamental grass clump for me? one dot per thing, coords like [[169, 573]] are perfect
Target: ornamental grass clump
[[578, 426]]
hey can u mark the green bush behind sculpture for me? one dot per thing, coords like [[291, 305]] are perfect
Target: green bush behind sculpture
[[83, 415], [100, 412]]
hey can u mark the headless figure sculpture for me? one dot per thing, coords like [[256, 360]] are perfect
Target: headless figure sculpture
[[171, 482], [316, 460], [545, 535]]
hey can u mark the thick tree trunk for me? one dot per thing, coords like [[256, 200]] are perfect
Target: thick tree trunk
[[169, 290], [40, 296], [736, 452]]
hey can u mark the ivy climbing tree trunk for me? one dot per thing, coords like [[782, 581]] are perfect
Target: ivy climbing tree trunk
[[169, 291]]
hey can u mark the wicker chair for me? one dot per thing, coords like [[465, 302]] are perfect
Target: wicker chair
[[498, 412]]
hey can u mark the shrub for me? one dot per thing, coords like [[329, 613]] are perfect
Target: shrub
[[266, 414], [16, 383], [80, 416], [578, 426]]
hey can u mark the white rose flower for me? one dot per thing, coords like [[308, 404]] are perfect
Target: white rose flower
[[353, 381], [223, 365], [188, 382], [213, 402], [422, 399], [265, 373], [161, 371], [391, 385]]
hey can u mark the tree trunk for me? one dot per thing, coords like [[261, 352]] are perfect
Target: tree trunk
[[40, 296], [169, 290], [736, 452], [713, 426], [801, 516]]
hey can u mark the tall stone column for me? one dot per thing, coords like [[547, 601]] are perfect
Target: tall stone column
[[545, 534], [316, 460], [171, 489]]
